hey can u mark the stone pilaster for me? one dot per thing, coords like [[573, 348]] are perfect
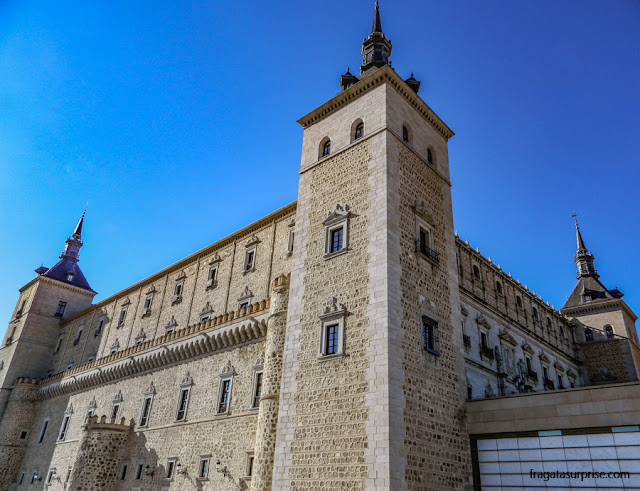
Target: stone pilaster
[[18, 417], [100, 454], [271, 378]]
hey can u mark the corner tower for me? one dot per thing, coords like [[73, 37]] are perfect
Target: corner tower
[[372, 394], [55, 293]]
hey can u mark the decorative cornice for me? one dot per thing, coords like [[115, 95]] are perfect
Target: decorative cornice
[[222, 332], [375, 79]]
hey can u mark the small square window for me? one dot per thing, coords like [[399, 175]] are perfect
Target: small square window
[[24, 434]]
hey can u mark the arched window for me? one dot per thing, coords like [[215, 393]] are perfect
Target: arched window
[[325, 147], [359, 131], [476, 272], [519, 301], [429, 156], [405, 134], [609, 331], [588, 335], [499, 287]]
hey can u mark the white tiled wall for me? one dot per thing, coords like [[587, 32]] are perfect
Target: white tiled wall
[[506, 463]]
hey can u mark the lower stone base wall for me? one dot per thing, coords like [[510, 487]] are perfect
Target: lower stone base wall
[[609, 361]]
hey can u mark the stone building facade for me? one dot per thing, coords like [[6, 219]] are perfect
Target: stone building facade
[[333, 344]]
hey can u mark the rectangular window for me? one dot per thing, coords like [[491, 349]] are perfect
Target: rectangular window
[[139, 472], [528, 362], [250, 465], [23, 434], [59, 345], [89, 413], [292, 236], [123, 472], [68, 475], [43, 431], [429, 335], [249, 260], [257, 390], [171, 466], [21, 309], [146, 410], [223, 396], [178, 289], [52, 472], [147, 302], [115, 411], [63, 429], [203, 471], [21, 478], [60, 310], [331, 339], [336, 236], [483, 337], [204, 318], [183, 401], [78, 336], [99, 327], [243, 305], [123, 316], [213, 273]]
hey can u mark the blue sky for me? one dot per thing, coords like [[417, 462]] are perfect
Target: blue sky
[[176, 121]]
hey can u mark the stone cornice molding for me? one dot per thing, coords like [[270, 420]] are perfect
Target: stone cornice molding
[[386, 74], [596, 306], [59, 284], [220, 333], [253, 228]]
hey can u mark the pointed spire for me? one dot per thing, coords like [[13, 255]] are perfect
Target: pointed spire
[[78, 230], [377, 24], [583, 259], [376, 49]]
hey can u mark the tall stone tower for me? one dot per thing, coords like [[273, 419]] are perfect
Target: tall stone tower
[[54, 294], [372, 389]]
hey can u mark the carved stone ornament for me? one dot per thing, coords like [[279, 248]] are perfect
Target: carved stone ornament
[[506, 337], [207, 309], [126, 302], [463, 310], [571, 374], [187, 380], [228, 369], [526, 347], [260, 361], [481, 321], [246, 294], [151, 390], [151, 290], [488, 390], [118, 397], [172, 323], [215, 259], [339, 213], [252, 241], [544, 358], [141, 336], [423, 210], [559, 368], [292, 223], [334, 308], [181, 276], [69, 409], [93, 404], [115, 345]]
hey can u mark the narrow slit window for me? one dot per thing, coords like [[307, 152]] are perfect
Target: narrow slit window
[[223, 399], [183, 401], [257, 391], [43, 431], [146, 410], [63, 429], [405, 134]]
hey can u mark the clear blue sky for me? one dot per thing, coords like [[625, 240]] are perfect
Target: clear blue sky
[[176, 121]]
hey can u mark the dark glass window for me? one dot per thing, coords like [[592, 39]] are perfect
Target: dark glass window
[[429, 334], [588, 335], [204, 468], [359, 131], [225, 388], [139, 472], [43, 432], [146, 409], [123, 474], [476, 272], [60, 310], [250, 258], [336, 240], [519, 302], [258, 390], [332, 339], [182, 405], [405, 134], [609, 331], [429, 156], [63, 430], [250, 466], [326, 148], [499, 287], [170, 466]]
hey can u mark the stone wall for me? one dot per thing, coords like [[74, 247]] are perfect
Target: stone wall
[[609, 361]]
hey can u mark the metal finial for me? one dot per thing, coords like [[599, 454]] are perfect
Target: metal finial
[[575, 219], [377, 5]]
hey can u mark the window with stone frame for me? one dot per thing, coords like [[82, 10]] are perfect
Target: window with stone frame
[[424, 240], [138, 475], [123, 472], [430, 159], [291, 239], [123, 316], [64, 427], [609, 331], [212, 276], [61, 308], [250, 259], [250, 459], [203, 467], [499, 288], [43, 431], [325, 147], [359, 131], [405, 134], [337, 231], [78, 335], [430, 335], [332, 326], [148, 301], [98, 329], [115, 411], [59, 344], [183, 404], [145, 413], [256, 390], [170, 468]]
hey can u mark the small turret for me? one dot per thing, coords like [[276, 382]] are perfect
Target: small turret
[[376, 49], [583, 258]]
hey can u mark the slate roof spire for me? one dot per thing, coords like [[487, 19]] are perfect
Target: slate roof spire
[[583, 259], [376, 49], [67, 269]]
